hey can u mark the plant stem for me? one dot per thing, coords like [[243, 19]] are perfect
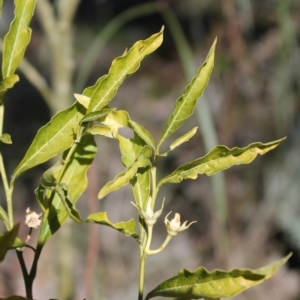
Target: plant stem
[[142, 275], [26, 277], [7, 188]]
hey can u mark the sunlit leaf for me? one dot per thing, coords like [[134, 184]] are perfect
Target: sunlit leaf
[[185, 105], [116, 120], [218, 159], [75, 178], [100, 130], [214, 285], [83, 100], [1, 4], [143, 133], [96, 115], [5, 138], [18, 37], [121, 67], [123, 178], [7, 240], [130, 150], [183, 139], [128, 228], [8, 83], [52, 139]]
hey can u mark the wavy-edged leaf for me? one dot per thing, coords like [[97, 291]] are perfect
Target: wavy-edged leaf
[[7, 240], [96, 115], [128, 228], [5, 138], [130, 151], [8, 83], [185, 105], [75, 178], [121, 67], [140, 184], [83, 100], [100, 130], [4, 217], [52, 139], [183, 139], [123, 178], [216, 284], [18, 37], [89, 91], [218, 159], [116, 120], [142, 133]]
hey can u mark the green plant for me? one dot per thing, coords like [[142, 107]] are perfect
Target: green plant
[[70, 136]]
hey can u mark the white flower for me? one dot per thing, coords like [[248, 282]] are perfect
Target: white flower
[[173, 226], [33, 219], [149, 216]]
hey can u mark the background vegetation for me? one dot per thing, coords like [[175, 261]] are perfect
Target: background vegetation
[[253, 95]]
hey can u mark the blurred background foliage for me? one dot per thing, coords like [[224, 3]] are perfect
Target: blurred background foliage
[[253, 95]]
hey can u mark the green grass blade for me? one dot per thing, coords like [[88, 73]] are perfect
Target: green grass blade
[[121, 67], [128, 228], [185, 105], [218, 159], [52, 139], [18, 37], [216, 284]]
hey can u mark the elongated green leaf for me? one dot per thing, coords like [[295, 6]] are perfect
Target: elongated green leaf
[[218, 159], [124, 177], [140, 184], [128, 228], [183, 139], [142, 133], [4, 217], [18, 243], [214, 285], [1, 4], [130, 151], [75, 178], [116, 120], [5, 138], [7, 240], [96, 115], [121, 67], [52, 139], [83, 100], [100, 130], [8, 83], [18, 37], [89, 91], [185, 105]]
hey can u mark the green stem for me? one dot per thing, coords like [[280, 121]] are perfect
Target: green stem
[[142, 275], [8, 189], [162, 247], [26, 277], [153, 187]]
